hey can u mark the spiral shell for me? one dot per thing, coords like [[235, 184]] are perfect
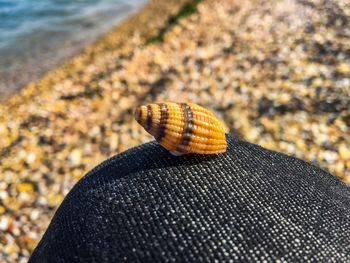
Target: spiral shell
[[183, 128]]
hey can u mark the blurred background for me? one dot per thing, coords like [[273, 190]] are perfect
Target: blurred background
[[72, 72], [36, 36]]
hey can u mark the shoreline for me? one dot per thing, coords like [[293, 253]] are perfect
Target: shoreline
[[32, 55], [118, 36]]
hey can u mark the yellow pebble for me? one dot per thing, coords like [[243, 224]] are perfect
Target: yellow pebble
[[348, 164], [2, 210], [344, 152], [344, 68], [25, 187]]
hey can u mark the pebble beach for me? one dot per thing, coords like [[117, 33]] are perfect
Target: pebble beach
[[277, 73]]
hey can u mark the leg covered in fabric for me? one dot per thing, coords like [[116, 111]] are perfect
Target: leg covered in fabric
[[248, 204]]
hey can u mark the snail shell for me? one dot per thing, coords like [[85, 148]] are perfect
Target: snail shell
[[183, 128]]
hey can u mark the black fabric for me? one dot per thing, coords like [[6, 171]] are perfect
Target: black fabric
[[247, 205]]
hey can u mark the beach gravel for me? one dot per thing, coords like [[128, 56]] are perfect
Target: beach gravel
[[277, 72]]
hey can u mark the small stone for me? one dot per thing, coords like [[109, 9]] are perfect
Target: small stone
[[339, 167], [4, 223], [346, 179], [25, 188], [34, 215], [11, 248], [344, 151], [114, 142], [75, 156], [77, 174], [317, 82], [2, 210], [27, 242], [348, 164], [330, 156], [4, 195], [344, 68], [30, 158], [55, 199], [207, 52]]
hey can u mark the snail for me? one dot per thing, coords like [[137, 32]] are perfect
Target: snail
[[183, 128]]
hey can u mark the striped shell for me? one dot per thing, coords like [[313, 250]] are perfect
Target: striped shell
[[183, 127]]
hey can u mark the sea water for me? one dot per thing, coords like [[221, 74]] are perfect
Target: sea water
[[36, 35]]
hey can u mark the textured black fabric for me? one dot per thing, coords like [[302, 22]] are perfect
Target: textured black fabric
[[247, 205]]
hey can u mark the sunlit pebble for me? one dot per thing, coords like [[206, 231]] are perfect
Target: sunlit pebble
[[42, 200], [30, 157], [344, 151], [67, 189], [291, 148], [87, 148], [24, 197], [330, 156], [15, 230], [344, 83], [94, 131], [320, 138], [3, 185], [75, 156], [22, 154], [4, 223], [4, 195], [339, 167]]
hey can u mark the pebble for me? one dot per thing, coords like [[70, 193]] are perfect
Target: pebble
[[2, 210], [344, 151], [4, 223], [344, 68], [75, 156], [26, 188]]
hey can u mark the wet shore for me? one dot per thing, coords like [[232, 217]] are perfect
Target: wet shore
[[44, 34]]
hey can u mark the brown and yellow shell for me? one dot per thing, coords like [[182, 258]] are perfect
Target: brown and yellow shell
[[183, 128]]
